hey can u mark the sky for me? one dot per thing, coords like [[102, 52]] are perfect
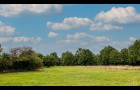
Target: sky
[[58, 28]]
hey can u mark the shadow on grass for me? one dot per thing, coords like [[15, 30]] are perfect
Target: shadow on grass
[[19, 71]]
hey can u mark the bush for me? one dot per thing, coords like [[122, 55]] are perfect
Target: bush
[[28, 63], [5, 62]]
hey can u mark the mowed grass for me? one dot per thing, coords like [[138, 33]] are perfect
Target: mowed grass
[[74, 76]]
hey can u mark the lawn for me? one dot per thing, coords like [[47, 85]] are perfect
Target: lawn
[[74, 76]]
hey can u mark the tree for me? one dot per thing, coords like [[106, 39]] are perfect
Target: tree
[[40, 55], [85, 57], [5, 62], [67, 58], [134, 53], [1, 49], [114, 57], [124, 56], [105, 55], [21, 52], [57, 59], [77, 55], [49, 60], [24, 58], [97, 60], [54, 54], [28, 62]]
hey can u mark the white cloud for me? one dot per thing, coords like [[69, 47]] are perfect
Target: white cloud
[[119, 15], [84, 35], [123, 43], [67, 41], [7, 32], [58, 26], [104, 27], [132, 39], [69, 23], [102, 39], [8, 10], [79, 36], [26, 39], [120, 43], [19, 39], [71, 42], [5, 39], [5, 29], [84, 43], [52, 34], [38, 39]]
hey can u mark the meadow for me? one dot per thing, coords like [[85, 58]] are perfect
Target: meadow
[[74, 76]]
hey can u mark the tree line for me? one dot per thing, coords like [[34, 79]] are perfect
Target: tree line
[[25, 58]]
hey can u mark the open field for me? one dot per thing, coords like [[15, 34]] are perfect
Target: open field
[[75, 76]]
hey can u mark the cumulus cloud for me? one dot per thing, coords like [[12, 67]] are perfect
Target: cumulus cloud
[[52, 34], [84, 35], [26, 39], [132, 39], [7, 32], [6, 29], [72, 42], [102, 39], [5, 39], [119, 15], [123, 43], [104, 27], [19, 39], [8, 10], [81, 35], [84, 43], [69, 23], [67, 41]]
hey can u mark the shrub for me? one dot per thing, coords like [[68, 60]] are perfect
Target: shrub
[[28, 63]]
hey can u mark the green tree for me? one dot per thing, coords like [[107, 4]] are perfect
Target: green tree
[[67, 58], [124, 56], [5, 62], [97, 60], [40, 55], [49, 60], [54, 54], [57, 59], [105, 55], [85, 57], [1, 49], [114, 57], [24, 58], [77, 55], [134, 53]]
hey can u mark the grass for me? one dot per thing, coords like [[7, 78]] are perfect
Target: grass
[[74, 76]]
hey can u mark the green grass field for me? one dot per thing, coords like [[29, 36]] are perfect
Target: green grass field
[[74, 76]]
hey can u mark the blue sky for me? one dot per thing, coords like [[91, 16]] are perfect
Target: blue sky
[[51, 27]]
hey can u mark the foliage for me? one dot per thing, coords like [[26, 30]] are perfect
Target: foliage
[[67, 58], [124, 56], [84, 57], [114, 57], [134, 53], [5, 62], [28, 63], [105, 55], [49, 60], [24, 58]]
